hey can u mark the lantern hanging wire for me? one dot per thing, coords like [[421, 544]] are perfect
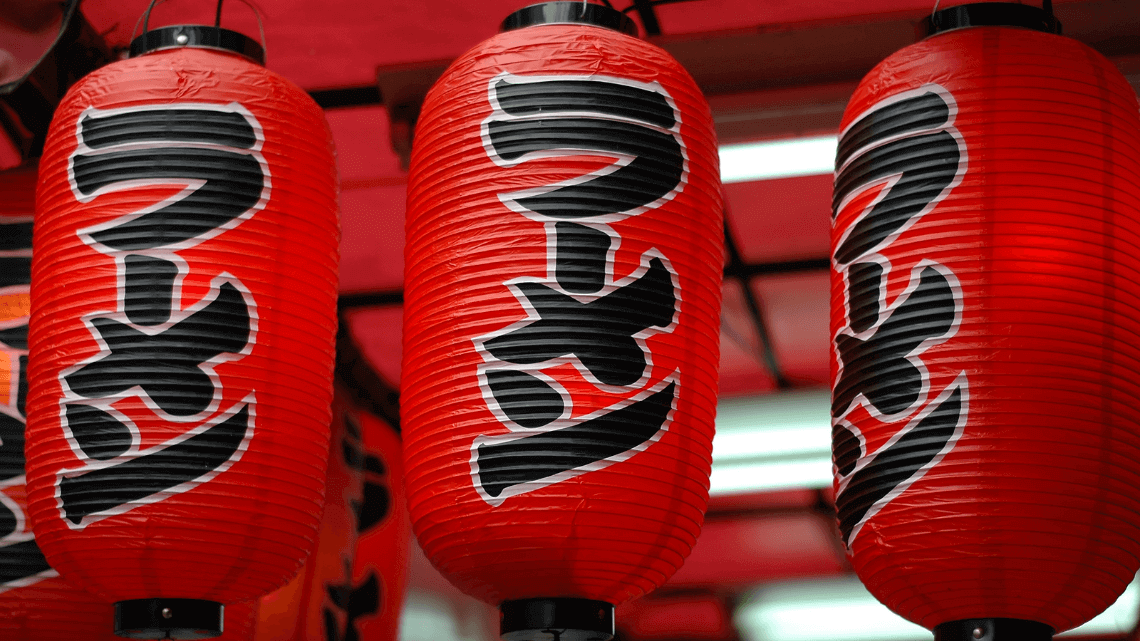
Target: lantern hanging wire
[[145, 20]]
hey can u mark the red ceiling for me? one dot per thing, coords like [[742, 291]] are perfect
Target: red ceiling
[[336, 43]]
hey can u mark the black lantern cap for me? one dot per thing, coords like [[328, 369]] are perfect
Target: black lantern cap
[[993, 630], [556, 619], [168, 619], [570, 13], [199, 36], [993, 14]]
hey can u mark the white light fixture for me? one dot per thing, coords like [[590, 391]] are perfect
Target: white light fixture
[[772, 442], [778, 159], [843, 610], [1119, 619], [431, 616]]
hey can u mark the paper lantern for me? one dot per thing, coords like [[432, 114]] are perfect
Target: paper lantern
[[984, 289], [352, 587], [380, 567], [563, 266], [36, 604], [181, 342], [315, 604]]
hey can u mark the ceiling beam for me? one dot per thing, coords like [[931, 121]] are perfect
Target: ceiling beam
[[773, 82]]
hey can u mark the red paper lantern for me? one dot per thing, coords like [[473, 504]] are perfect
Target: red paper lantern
[[984, 296], [316, 604], [352, 587], [380, 567], [36, 604], [563, 256], [183, 317]]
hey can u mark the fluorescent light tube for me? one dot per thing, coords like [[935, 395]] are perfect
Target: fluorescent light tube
[[842, 609], [1119, 619], [428, 616], [838, 609], [778, 159], [772, 442]]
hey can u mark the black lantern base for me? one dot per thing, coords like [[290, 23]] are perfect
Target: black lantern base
[[556, 620], [993, 630], [168, 619]]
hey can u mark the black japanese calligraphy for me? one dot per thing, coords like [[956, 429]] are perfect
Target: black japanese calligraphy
[[167, 366], [155, 473], [908, 148], [580, 312], [884, 369], [20, 558], [369, 510], [561, 117], [354, 601], [15, 270], [889, 471], [151, 346], [375, 502], [599, 333], [507, 463], [205, 148], [911, 145], [21, 561]]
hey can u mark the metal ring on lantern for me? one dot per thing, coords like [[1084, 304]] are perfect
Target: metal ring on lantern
[[200, 36], [993, 14], [570, 13]]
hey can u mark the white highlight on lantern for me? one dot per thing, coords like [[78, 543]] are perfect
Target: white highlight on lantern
[[772, 442], [841, 609], [778, 159]]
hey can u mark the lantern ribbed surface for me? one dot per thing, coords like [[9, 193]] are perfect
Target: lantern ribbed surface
[[984, 315], [380, 565], [183, 318], [36, 604], [352, 586], [562, 292], [321, 602]]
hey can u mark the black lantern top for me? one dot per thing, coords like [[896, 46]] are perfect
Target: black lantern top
[[199, 36], [994, 14], [570, 13]]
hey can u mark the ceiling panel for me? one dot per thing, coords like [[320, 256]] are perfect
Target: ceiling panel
[[372, 238], [795, 308], [741, 351], [372, 200], [786, 15], [782, 219], [364, 153], [749, 550], [378, 332], [698, 617]]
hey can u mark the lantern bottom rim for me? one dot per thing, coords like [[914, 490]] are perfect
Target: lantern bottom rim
[[168, 619], [556, 619], [994, 629]]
